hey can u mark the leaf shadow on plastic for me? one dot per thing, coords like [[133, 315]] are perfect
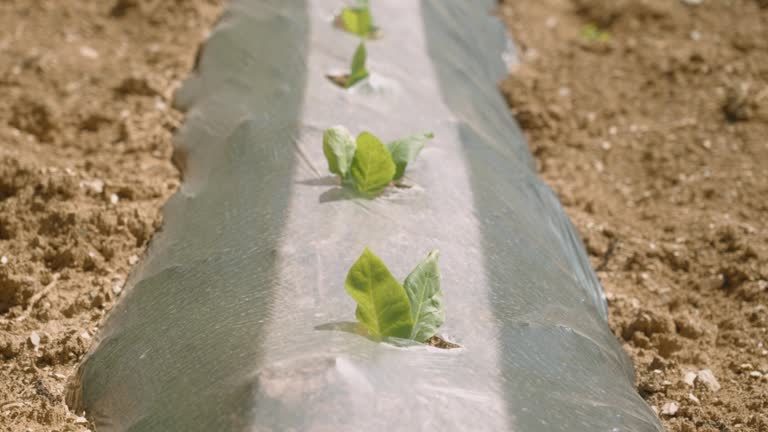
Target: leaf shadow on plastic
[[320, 181], [358, 329], [353, 327], [337, 192]]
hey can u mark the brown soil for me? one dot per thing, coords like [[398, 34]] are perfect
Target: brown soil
[[438, 342], [652, 126], [85, 147], [339, 80]]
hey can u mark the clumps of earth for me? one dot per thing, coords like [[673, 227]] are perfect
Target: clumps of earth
[[60, 222], [651, 128], [85, 165]]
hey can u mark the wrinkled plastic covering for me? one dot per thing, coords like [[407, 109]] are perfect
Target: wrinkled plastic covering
[[237, 318]]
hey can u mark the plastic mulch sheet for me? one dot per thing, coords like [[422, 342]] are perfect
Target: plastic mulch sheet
[[235, 319]]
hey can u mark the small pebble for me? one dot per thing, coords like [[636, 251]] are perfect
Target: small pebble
[[117, 286], [695, 36], [755, 374], [599, 167], [34, 339], [114, 198], [4, 260], [670, 408], [80, 420], [133, 259], [706, 377], [693, 397], [551, 22], [96, 185], [88, 52]]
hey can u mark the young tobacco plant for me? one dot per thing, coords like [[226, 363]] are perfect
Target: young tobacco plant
[[357, 70], [413, 310], [365, 163], [357, 19]]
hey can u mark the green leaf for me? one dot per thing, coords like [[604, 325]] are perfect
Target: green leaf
[[372, 167], [592, 32], [382, 305], [405, 150], [423, 289], [357, 70], [339, 149], [357, 20]]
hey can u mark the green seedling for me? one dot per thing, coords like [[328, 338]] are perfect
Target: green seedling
[[413, 310], [357, 70], [357, 20], [592, 32], [365, 163]]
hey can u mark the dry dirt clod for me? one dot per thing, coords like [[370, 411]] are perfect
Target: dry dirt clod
[[707, 378], [670, 408]]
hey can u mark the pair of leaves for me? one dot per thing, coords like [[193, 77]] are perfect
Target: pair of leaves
[[366, 163], [357, 70], [413, 310], [358, 20]]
